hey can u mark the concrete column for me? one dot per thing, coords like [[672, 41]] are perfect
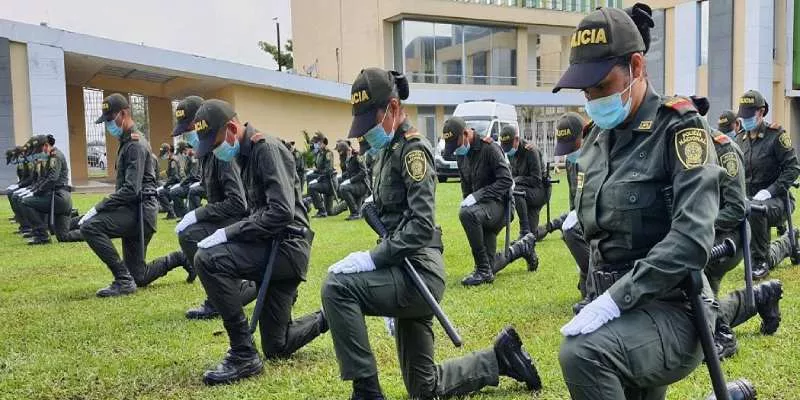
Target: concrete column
[[21, 94], [720, 57], [48, 93], [78, 164], [656, 57], [7, 173], [160, 111], [686, 49], [758, 44]]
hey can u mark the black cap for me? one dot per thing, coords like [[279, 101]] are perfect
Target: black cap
[[751, 101], [111, 106], [184, 114], [599, 40], [453, 129], [35, 144], [371, 91], [342, 145], [209, 119], [506, 138], [319, 137], [568, 130], [726, 120], [165, 148], [363, 145], [181, 146]]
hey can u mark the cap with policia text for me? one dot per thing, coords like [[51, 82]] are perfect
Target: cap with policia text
[[112, 104], [726, 120], [370, 93], [568, 130], [599, 40], [184, 114], [453, 129], [506, 138], [210, 118], [751, 101]]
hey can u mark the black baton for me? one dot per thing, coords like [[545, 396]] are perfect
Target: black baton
[[370, 213], [52, 220]]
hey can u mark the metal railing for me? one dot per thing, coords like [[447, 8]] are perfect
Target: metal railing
[[538, 78], [582, 6]]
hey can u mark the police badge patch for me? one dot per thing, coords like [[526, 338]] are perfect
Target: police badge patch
[[786, 140], [691, 146], [416, 166], [730, 163]]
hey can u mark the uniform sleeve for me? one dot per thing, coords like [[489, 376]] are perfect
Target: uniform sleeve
[[269, 220], [466, 184], [416, 230], [498, 190], [572, 181], [533, 174], [48, 183], [234, 204], [174, 173], [732, 191], [361, 174], [135, 160], [695, 180], [789, 166], [192, 172]]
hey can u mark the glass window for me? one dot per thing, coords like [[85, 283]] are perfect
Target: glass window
[[504, 56], [702, 15], [481, 127], [495, 130], [418, 40], [426, 122], [448, 57]]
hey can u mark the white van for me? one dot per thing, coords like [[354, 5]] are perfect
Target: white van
[[487, 118]]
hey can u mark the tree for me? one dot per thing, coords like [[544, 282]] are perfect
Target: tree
[[286, 59]]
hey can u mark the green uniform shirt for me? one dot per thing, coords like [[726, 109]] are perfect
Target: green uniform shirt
[[571, 165], [174, 173], [56, 175], [192, 169], [404, 193], [323, 164], [355, 170], [625, 175], [731, 186], [769, 160]]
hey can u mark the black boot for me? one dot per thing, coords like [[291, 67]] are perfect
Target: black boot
[[39, 239], [522, 248], [740, 389], [725, 341], [117, 288], [513, 361], [353, 217], [241, 361], [337, 208], [482, 273], [178, 258], [768, 295], [170, 214], [321, 214], [203, 311], [307, 202], [760, 270], [367, 389]]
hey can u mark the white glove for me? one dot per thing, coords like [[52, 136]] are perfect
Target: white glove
[[188, 219], [308, 173], [359, 261], [389, 323], [162, 187], [175, 186], [369, 199], [196, 184], [762, 195], [13, 187], [20, 190], [570, 221], [218, 237], [89, 214], [314, 182], [592, 317], [468, 201], [26, 195], [346, 182]]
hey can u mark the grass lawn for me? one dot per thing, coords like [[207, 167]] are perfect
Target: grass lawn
[[58, 341]]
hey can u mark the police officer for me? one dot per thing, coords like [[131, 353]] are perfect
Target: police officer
[[353, 188], [299, 164], [179, 192], [226, 204], [197, 192], [733, 309], [174, 176], [117, 216], [404, 194], [646, 199], [770, 166], [52, 188], [32, 168], [485, 187], [320, 184], [240, 251], [728, 124]]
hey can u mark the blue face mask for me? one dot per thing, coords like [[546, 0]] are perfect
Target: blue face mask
[[113, 129], [226, 151], [377, 137], [462, 150], [749, 123], [315, 148], [511, 153], [164, 156], [608, 112], [191, 138]]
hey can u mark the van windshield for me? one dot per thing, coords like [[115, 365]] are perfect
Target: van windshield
[[480, 127]]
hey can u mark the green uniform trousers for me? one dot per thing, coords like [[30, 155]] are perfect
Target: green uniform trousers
[[347, 298], [37, 210], [634, 357]]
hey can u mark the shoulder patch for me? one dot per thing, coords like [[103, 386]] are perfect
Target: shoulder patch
[[785, 139], [257, 137], [774, 125], [416, 165], [722, 139], [487, 139], [730, 162], [680, 104], [412, 135], [691, 146]]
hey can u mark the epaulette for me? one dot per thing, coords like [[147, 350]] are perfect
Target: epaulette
[[775, 127], [135, 136], [257, 137], [722, 138], [412, 136], [487, 139], [680, 104]]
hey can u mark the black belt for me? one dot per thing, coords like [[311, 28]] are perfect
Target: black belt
[[604, 276]]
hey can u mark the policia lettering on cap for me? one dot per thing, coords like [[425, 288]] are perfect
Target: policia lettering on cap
[[404, 192], [641, 145]]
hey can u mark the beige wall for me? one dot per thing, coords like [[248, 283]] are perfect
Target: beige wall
[[20, 93], [160, 114], [76, 122]]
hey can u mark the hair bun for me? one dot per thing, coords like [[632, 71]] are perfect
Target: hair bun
[[401, 82]]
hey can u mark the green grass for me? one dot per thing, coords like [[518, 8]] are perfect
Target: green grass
[[58, 341]]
